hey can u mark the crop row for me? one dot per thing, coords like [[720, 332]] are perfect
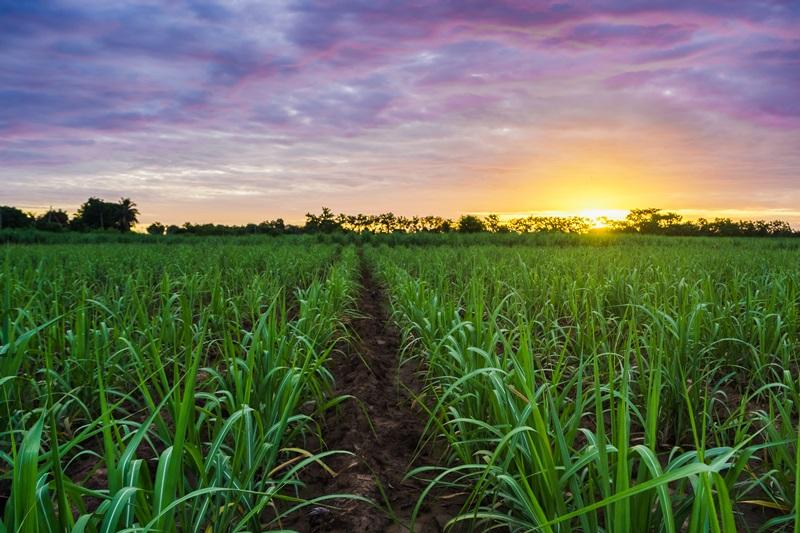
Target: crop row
[[647, 388], [164, 388]]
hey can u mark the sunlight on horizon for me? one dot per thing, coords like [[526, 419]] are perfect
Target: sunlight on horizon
[[596, 215]]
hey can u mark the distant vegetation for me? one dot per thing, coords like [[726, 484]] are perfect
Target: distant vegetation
[[96, 215], [603, 389], [121, 366]]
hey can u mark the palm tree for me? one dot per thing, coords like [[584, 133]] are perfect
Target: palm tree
[[128, 214]]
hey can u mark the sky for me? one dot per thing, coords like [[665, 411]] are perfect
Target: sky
[[242, 111]]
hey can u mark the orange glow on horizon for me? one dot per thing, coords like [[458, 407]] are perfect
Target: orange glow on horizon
[[587, 176]]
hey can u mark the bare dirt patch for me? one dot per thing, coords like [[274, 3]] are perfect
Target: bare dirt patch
[[381, 427]]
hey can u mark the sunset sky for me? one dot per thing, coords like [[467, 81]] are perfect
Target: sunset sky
[[240, 111]]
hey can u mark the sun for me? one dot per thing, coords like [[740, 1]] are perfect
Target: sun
[[599, 217]]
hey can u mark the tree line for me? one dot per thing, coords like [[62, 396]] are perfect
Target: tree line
[[658, 222], [650, 221], [328, 222], [97, 214], [94, 214]]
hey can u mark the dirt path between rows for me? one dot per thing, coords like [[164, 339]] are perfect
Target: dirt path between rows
[[384, 445]]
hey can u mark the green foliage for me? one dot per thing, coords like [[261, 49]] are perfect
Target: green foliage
[[166, 387], [648, 384], [573, 382]]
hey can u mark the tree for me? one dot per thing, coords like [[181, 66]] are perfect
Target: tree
[[53, 220], [325, 222], [272, 227], [651, 221], [387, 222], [492, 223], [96, 213], [643, 220], [359, 222], [11, 217], [779, 228], [127, 214], [156, 228], [470, 224]]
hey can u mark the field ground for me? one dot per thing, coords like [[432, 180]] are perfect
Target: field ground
[[553, 385], [382, 428]]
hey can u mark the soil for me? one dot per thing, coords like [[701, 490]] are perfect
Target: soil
[[384, 440]]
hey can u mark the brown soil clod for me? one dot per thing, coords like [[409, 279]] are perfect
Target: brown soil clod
[[381, 427]]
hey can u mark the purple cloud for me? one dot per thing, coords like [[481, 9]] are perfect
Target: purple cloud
[[604, 34], [383, 90]]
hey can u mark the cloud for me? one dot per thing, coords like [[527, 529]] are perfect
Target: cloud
[[605, 34], [359, 94]]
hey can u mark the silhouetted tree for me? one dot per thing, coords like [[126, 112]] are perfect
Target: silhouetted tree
[[387, 222], [470, 224], [91, 214], [272, 227], [156, 228], [492, 223], [779, 228], [11, 217], [325, 222], [127, 214], [537, 224], [53, 220], [96, 213], [359, 223], [655, 222], [435, 224], [651, 220]]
